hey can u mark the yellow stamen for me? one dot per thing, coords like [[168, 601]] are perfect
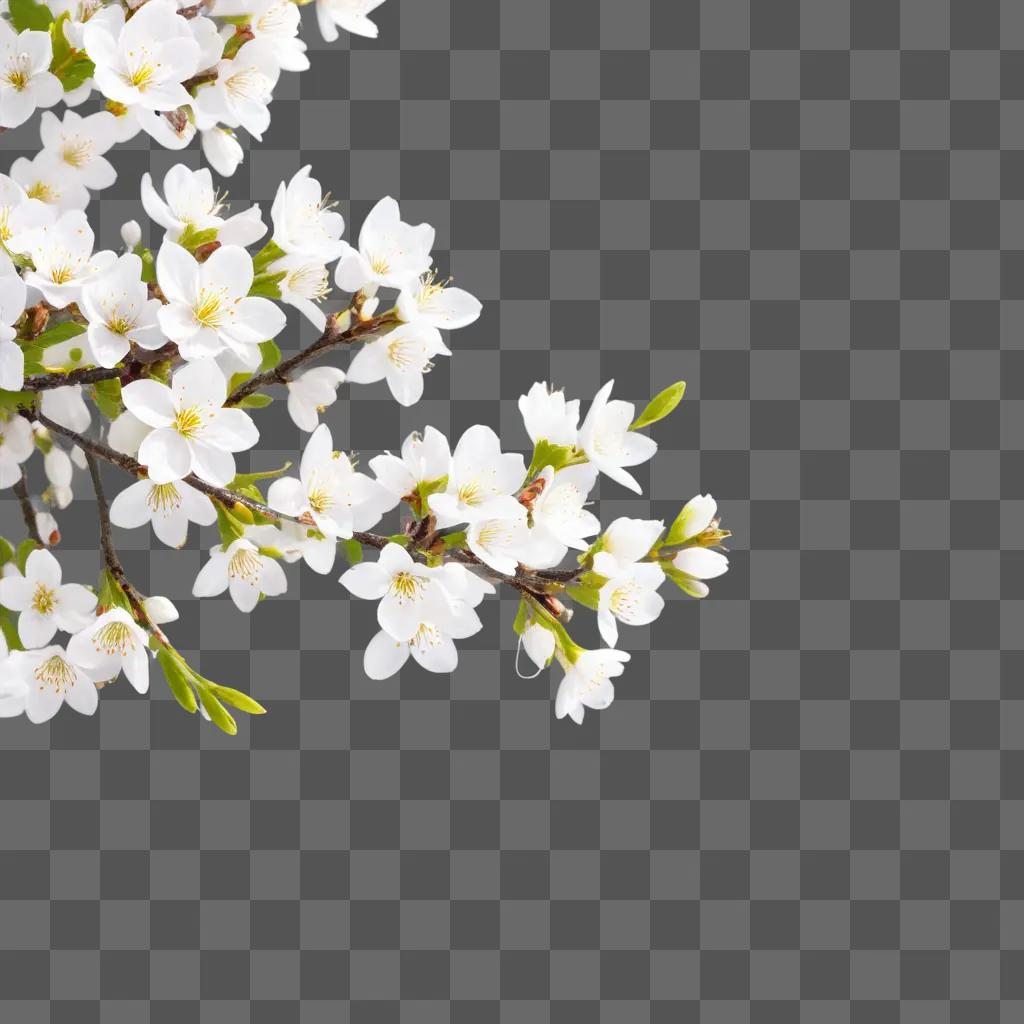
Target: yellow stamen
[[245, 565], [44, 600], [209, 308], [57, 673], [188, 422], [163, 498], [114, 638]]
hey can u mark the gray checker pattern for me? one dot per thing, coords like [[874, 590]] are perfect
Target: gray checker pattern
[[807, 803]]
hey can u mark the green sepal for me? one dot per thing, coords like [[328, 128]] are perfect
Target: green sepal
[[557, 456], [660, 405], [424, 489]]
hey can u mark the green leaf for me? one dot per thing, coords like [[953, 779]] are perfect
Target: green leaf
[[455, 540], [10, 631], [218, 713], [267, 255], [255, 402], [353, 551], [401, 539], [229, 527], [178, 682], [687, 584], [25, 548], [148, 263], [271, 355], [586, 596], [237, 380], [558, 456], [522, 617], [13, 400], [424, 489], [107, 396], [6, 551], [660, 405], [76, 72], [191, 239], [72, 67], [267, 286], [237, 699], [110, 593], [59, 45], [27, 14], [246, 479], [58, 333]]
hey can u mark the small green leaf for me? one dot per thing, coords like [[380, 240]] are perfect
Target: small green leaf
[[110, 594], [6, 551], [271, 355], [13, 400], [77, 72], [267, 286], [660, 405], [10, 631], [148, 263], [218, 713], [557, 456], [27, 14], [178, 682], [107, 396], [245, 479], [58, 333], [228, 526], [586, 596], [25, 548], [267, 255], [455, 540], [237, 699], [522, 617], [237, 380], [255, 402], [401, 539], [353, 551], [191, 239]]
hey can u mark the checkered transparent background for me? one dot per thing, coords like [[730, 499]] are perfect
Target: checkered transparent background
[[806, 803]]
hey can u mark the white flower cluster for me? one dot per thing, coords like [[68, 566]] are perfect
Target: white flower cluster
[[170, 69]]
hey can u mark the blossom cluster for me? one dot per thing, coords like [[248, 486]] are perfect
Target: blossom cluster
[[157, 361], [171, 69]]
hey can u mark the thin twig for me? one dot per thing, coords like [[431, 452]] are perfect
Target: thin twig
[[364, 330], [27, 511], [61, 379]]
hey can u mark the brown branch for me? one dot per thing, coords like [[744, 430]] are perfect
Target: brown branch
[[28, 512], [90, 375], [364, 330]]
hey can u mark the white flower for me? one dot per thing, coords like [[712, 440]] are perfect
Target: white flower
[[13, 689], [479, 471], [206, 33], [169, 507], [548, 416], [558, 517], [498, 534], [305, 283], [628, 540], [64, 260], [351, 15], [12, 358], [190, 201], [433, 303], [221, 147], [131, 234], [16, 446], [243, 88], [305, 221], [19, 216], [25, 79], [160, 610], [120, 312], [297, 543], [243, 572], [209, 308], [391, 253], [67, 407], [424, 459], [609, 443], [45, 178], [630, 595], [539, 644], [126, 433], [328, 488], [275, 22], [145, 63], [79, 144], [697, 515], [699, 564], [587, 683], [114, 642], [192, 433], [44, 604], [401, 357], [171, 133], [310, 393], [59, 472], [409, 593], [54, 678]]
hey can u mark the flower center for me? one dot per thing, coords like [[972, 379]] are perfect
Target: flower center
[[44, 600], [310, 281], [380, 265], [19, 72], [406, 586], [247, 83], [495, 533], [245, 565], [400, 353], [188, 422], [320, 500], [114, 638], [120, 324], [428, 635], [470, 493], [56, 672], [77, 153], [209, 308], [142, 75], [43, 191], [163, 498], [624, 600]]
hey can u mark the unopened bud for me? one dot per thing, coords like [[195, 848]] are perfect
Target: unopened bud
[[160, 610], [131, 233]]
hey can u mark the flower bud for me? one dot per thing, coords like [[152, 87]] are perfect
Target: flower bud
[[131, 233], [160, 610]]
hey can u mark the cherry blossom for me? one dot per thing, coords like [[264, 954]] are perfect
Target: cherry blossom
[[25, 79], [351, 15], [63, 258], [53, 678], [587, 683], [15, 447], [114, 642], [310, 393], [548, 416], [242, 571], [12, 358], [170, 507], [609, 443]]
